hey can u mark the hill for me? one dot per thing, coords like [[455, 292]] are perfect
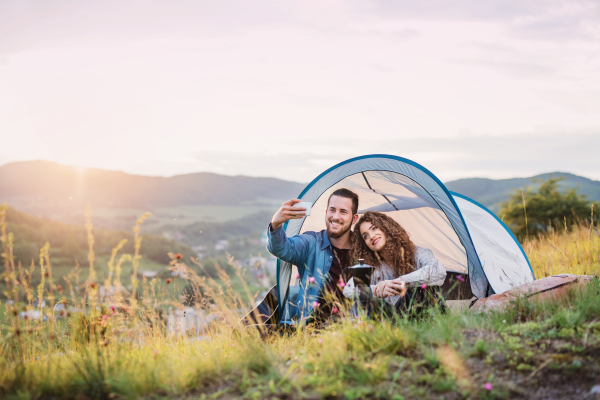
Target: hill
[[69, 243], [61, 193], [491, 192], [50, 182]]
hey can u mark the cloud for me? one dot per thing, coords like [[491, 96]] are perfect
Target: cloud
[[450, 158], [309, 100], [490, 47], [582, 101], [515, 69], [289, 88]]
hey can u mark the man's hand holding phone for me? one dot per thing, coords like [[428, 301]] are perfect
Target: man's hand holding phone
[[287, 211]]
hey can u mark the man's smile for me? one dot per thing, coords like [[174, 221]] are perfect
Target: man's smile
[[334, 224]]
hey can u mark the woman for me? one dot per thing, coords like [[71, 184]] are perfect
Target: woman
[[399, 264]]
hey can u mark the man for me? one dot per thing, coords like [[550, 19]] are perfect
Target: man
[[319, 256]]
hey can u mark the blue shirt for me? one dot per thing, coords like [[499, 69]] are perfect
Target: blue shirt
[[311, 252]]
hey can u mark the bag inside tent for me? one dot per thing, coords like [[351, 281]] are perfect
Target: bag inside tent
[[465, 237]]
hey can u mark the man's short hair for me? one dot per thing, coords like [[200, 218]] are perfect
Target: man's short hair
[[349, 194]]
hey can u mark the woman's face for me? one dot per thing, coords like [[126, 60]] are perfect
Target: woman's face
[[373, 236]]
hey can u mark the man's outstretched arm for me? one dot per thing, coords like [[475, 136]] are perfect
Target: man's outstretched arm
[[294, 249]]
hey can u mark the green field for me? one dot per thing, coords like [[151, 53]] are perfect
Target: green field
[[532, 349], [123, 218]]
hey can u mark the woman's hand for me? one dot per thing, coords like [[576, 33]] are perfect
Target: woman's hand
[[403, 286], [390, 288]]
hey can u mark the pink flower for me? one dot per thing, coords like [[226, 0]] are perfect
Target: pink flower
[[341, 283], [334, 310], [460, 278], [320, 341], [112, 308], [105, 317], [315, 304], [311, 279], [155, 352], [423, 286], [297, 276], [232, 344], [488, 386]]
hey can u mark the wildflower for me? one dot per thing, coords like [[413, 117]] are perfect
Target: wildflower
[[168, 280], [155, 352], [423, 286], [488, 386], [460, 278], [17, 332], [232, 344], [105, 342], [15, 313], [311, 279], [93, 285], [315, 304], [112, 308], [334, 310], [297, 275], [179, 256], [320, 341], [105, 317], [341, 283]]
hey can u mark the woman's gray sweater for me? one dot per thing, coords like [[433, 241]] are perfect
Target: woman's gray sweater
[[429, 272]]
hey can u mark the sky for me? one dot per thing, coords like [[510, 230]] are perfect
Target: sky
[[284, 88]]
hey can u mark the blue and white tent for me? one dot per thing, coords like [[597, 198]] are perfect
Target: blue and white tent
[[464, 235]]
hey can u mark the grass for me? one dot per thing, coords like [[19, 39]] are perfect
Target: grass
[[575, 251], [532, 349]]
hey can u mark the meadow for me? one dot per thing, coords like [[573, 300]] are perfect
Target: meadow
[[119, 347]]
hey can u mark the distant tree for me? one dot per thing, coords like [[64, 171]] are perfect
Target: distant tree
[[530, 212]]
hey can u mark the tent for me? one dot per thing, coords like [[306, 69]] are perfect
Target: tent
[[465, 236]]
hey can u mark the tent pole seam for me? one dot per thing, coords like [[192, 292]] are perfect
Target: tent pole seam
[[384, 196]]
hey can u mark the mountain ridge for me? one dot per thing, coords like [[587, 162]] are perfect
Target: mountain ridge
[[42, 187], [492, 192], [54, 182]]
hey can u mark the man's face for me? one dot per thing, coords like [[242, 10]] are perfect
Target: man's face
[[339, 217]]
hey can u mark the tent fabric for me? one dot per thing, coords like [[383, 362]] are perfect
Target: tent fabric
[[544, 288], [504, 262], [414, 197]]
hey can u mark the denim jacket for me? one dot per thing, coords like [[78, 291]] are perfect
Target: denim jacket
[[311, 252]]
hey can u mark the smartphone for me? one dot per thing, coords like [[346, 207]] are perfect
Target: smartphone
[[304, 204]]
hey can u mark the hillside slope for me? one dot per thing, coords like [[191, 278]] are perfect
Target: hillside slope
[[69, 242], [491, 192], [50, 182]]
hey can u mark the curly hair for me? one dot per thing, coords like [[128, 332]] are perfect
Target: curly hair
[[399, 248]]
